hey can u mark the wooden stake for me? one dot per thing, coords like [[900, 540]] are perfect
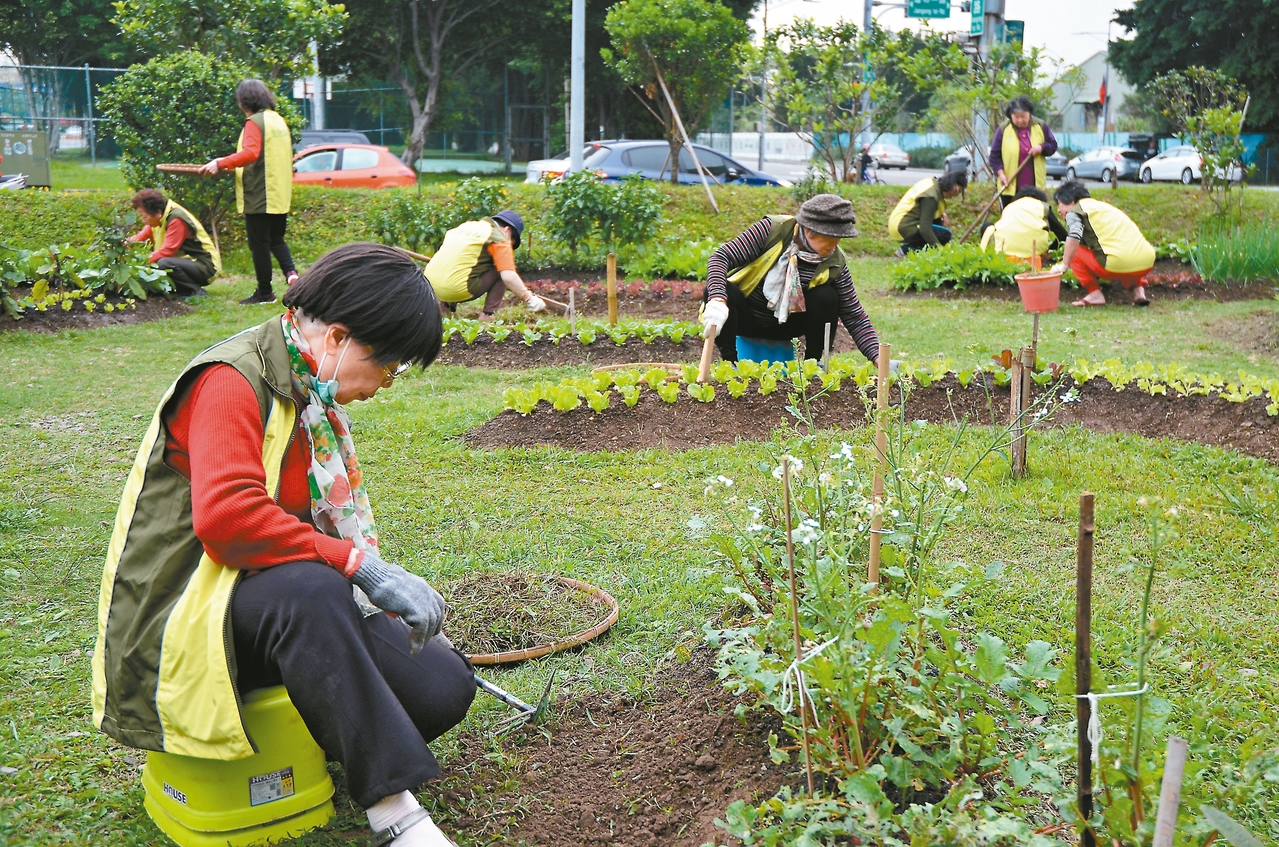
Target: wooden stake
[[1083, 661], [881, 448], [801, 694], [1170, 792], [612, 288], [688, 144], [1027, 369], [1034, 336], [572, 310], [412, 255], [1017, 449], [708, 352]]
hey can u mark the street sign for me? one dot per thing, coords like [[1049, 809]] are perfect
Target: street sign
[[928, 8], [26, 152], [1014, 31], [979, 17]]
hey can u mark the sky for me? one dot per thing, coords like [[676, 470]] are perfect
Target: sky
[[1050, 25]]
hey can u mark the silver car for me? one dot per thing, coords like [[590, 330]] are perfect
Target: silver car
[[885, 155], [1104, 163]]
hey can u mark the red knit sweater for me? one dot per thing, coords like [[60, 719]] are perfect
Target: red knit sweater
[[214, 439]]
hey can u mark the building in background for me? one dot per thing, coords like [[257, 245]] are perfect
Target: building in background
[[1081, 108]]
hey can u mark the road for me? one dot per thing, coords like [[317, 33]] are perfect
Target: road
[[795, 172]]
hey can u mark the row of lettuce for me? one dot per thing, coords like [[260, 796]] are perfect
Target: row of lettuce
[[597, 390]]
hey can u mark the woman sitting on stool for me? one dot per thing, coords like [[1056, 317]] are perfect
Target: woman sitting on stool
[[786, 277]]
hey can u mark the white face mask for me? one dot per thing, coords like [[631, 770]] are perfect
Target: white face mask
[[328, 389]]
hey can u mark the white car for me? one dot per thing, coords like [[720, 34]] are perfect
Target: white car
[[547, 170], [1182, 164], [885, 155]]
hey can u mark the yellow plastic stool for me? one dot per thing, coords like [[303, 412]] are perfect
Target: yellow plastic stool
[[280, 792]]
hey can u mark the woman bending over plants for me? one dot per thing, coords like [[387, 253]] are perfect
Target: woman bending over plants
[[786, 277]]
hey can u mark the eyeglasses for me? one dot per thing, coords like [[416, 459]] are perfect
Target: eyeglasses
[[390, 372]]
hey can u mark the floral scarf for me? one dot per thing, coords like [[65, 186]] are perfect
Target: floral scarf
[[782, 288], [339, 500]]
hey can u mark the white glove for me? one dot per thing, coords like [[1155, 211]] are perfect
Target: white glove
[[894, 365], [714, 315], [535, 303], [1057, 268]]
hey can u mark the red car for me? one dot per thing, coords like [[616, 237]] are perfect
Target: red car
[[351, 166]]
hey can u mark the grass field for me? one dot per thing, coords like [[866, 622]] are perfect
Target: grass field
[[74, 405]]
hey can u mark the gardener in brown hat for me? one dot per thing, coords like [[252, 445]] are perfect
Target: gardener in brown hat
[[786, 277]]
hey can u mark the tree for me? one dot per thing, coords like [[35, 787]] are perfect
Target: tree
[[1206, 109], [1236, 37], [696, 47], [820, 76], [419, 45], [63, 33], [181, 108], [272, 37]]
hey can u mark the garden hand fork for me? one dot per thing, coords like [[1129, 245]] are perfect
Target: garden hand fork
[[528, 715]]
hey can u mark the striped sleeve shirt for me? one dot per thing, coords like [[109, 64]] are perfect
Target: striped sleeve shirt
[[749, 246]]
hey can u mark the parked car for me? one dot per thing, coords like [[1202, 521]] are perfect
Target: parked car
[[351, 166], [613, 160], [1104, 162], [556, 166], [885, 155], [318, 137], [1182, 163], [961, 161], [1056, 165]]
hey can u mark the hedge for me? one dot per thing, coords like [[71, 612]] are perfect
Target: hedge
[[323, 217]]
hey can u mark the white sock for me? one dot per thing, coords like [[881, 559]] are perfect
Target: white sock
[[393, 809]]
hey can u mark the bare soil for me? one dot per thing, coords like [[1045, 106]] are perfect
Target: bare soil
[[687, 423], [56, 320], [512, 353], [610, 771]]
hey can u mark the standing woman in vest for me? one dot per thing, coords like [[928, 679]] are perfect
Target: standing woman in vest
[[181, 246], [263, 164], [786, 277], [1102, 243], [919, 218], [1023, 136], [244, 524]]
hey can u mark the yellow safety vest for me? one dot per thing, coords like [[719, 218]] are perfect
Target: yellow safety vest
[[1010, 148], [460, 257], [1125, 249], [266, 186], [1021, 231], [907, 203], [202, 249]]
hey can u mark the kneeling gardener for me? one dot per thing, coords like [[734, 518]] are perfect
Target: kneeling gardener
[[786, 277], [182, 247], [477, 259]]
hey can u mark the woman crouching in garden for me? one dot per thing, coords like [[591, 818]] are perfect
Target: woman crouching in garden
[[246, 513]]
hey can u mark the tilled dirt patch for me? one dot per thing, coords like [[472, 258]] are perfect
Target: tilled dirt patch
[[688, 423], [56, 320], [612, 772], [513, 353]]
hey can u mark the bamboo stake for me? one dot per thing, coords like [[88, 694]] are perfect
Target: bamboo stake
[[881, 448], [1083, 662], [986, 209], [611, 284], [708, 352], [687, 143], [1017, 449], [794, 614], [1170, 792], [572, 310], [412, 255]]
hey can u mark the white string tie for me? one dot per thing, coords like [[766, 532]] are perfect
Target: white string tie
[[1094, 717], [793, 670]]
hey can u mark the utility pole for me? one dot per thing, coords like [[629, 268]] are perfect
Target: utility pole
[[763, 92], [868, 23], [992, 32], [577, 94], [317, 91]]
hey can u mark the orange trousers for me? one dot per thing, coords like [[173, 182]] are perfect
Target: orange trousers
[[1088, 271]]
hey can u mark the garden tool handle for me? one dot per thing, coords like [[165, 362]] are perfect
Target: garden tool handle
[[708, 351]]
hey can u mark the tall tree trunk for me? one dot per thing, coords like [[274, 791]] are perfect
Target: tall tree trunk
[[677, 144]]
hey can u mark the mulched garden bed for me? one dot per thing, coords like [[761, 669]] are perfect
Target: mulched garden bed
[[688, 423], [610, 771], [56, 320], [513, 353], [678, 299]]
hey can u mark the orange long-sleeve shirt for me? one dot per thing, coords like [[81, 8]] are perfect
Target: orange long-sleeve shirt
[[250, 151], [174, 234]]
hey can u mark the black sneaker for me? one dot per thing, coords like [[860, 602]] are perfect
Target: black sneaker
[[258, 297]]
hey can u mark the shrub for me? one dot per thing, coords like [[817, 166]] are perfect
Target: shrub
[[181, 108], [929, 157], [957, 265], [585, 210], [675, 257], [1249, 253], [416, 223]]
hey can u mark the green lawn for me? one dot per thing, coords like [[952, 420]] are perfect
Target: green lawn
[[79, 173], [73, 407]]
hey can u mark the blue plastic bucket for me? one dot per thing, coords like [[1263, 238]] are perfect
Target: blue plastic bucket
[[763, 350]]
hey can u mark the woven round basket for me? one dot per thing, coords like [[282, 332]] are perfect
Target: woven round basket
[[178, 168], [601, 598]]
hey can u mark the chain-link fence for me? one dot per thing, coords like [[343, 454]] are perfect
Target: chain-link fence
[[60, 101]]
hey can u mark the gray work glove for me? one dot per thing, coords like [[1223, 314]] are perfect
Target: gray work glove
[[393, 589]]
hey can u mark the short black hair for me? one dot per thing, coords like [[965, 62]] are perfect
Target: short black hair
[[947, 182], [252, 94], [1071, 192], [380, 294], [1020, 104], [1032, 191], [149, 200]]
